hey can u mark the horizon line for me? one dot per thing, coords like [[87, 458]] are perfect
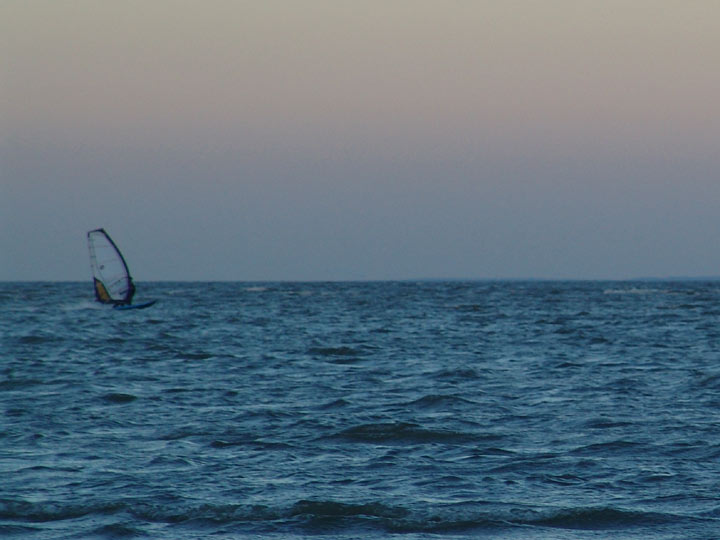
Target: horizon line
[[399, 280]]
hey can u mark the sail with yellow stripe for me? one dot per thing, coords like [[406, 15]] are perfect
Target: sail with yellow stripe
[[111, 277]]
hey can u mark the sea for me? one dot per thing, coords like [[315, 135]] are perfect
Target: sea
[[362, 410]]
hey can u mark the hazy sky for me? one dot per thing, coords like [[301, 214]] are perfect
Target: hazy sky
[[332, 139]]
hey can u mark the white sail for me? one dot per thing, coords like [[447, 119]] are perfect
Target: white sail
[[112, 281]]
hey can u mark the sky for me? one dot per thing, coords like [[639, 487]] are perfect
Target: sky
[[345, 140]]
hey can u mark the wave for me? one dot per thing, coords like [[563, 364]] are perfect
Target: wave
[[18, 384], [602, 519], [439, 401], [185, 355], [82, 305], [335, 404], [460, 374], [333, 351], [8, 531], [41, 512], [605, 423], [447, 519], [637, 291], [119, 398], [708, 381], [130, 516], [256, 289], [116, 530], [254, 443], [36, 339], [340, 509], [619, 447], [401, 433], [185, 432]]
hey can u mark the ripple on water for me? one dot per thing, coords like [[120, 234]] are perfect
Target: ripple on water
[[363, 410]]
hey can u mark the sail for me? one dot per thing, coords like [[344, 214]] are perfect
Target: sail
[[111, 277]]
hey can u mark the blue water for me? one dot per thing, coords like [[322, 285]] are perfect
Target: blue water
[[362, 410]]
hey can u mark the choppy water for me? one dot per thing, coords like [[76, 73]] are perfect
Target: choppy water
[[362, 410]]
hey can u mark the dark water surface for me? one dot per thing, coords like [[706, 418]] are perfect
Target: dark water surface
[[362, 410]]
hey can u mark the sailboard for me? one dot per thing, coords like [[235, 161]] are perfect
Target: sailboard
[[111, 277]]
